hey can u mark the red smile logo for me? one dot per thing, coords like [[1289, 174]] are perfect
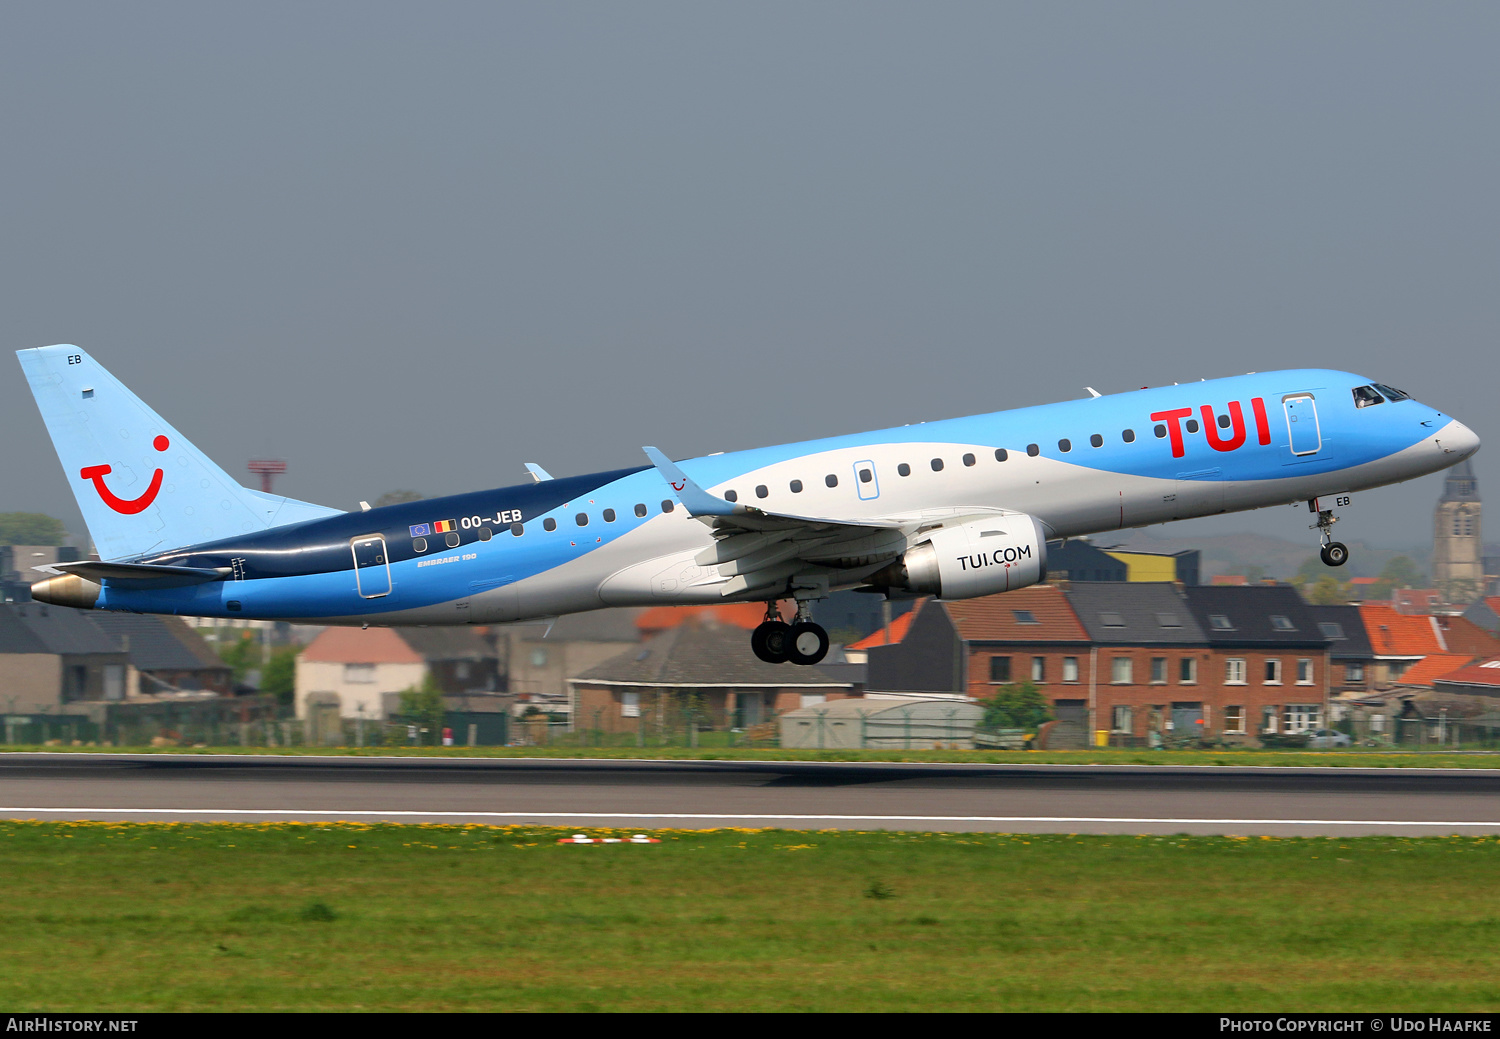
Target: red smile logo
[[97, 473]]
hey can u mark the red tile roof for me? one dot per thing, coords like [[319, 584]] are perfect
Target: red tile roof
[[1394, 634], [360, 646], [993, 617], [745, 615], [1464, 636], [898, 629], [1229, 579], [1480, 672], [1438, 665]]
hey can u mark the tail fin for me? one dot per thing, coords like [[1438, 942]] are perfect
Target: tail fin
[[142, 486]]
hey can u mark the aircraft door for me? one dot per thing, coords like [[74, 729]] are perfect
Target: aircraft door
[[372, 568], [866, 481], [1302, 423]]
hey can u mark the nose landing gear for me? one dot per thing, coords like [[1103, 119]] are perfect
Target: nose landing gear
[[801, 642], [1333, 553]]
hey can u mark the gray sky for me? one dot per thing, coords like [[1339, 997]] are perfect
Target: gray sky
[[417, 245]]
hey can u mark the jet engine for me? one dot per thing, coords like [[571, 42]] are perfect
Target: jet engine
[[979, 557]]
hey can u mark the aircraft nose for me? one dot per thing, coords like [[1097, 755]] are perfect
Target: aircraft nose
[[1458, 439]]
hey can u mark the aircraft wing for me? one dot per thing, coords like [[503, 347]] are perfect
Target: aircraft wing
[[756, 549]]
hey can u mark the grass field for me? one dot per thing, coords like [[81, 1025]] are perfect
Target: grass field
[[1267, 758], [347, 917]]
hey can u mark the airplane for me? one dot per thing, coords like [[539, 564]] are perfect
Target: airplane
[[954, 508]]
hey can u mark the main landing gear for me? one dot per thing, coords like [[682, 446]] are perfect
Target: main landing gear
[[801, 642], [1333, 553]]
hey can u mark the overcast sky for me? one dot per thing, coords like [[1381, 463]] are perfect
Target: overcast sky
[[413, 246]]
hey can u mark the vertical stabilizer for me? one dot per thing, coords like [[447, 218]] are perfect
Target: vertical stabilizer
[[142, 486]]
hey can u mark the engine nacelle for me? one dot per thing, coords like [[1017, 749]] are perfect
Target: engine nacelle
[[980, 557]]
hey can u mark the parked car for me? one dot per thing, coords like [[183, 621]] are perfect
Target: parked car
[[1329, 738]]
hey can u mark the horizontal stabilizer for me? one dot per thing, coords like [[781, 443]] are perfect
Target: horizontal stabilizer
[[156, 576]]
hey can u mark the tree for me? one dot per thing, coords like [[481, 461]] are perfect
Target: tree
[[242, 655], [1017, 706], [1398, 572], [396, 498], [30, 528], [1327, 591], [424, 705], [1310, 571], [279, 676]]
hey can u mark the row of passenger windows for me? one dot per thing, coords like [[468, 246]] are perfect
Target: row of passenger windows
[[451, 539], [937, 464]]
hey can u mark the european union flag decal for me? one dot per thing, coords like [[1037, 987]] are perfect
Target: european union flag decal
[[420, 530]]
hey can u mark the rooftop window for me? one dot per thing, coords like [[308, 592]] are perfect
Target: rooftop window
[[1111, 620], [1281, 623], [1331, 630], [1219, 622], [1024, 617], [1168, 620]]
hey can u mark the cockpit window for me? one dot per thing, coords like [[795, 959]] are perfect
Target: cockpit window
[[1365, 396], [1391, 393]]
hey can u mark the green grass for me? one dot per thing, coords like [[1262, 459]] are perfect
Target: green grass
[[348, 917], [1360, 758]]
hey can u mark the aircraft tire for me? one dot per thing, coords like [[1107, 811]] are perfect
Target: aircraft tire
[[771, 641], [1335, 553], [807, 643]]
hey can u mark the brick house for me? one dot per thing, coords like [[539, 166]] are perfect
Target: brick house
[[1269, 659], [1138, 661], [700, 670]]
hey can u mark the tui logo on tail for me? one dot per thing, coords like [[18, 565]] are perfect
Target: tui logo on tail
[[126, 507]]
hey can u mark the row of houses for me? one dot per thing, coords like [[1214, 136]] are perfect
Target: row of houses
[[1140, 661]]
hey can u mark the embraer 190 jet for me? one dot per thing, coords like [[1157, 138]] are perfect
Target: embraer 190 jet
[[954, 508]]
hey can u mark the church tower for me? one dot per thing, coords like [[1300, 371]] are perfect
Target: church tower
[[1457, 547]]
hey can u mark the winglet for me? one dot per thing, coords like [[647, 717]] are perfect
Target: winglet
[[537, 472], [695, 499]]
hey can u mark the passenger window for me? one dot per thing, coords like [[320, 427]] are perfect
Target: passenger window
[[666, 506], [865, 476], [761, 490], [1192, 425], [609, 515], [1364, 396], [796, 486], [1127, 435], [937, 465], [518, 529], [485, 534], [1224, 421], [582, 519], [731, 496], [1065, 445], [1033, 450], [1160, 431], [903, 469], [831, 480], [1001, 454], [1096, 440], [969, 459], [640, 510], [419, 545], [451, 539], [549, 523]]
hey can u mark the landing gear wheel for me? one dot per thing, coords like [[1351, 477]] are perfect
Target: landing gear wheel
[[1335, 553], [808, 643], [772, 641]]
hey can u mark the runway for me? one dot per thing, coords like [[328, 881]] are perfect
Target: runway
[[795, 795]]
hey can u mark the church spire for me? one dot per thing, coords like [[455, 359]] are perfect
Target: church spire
[[1461, 483]]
